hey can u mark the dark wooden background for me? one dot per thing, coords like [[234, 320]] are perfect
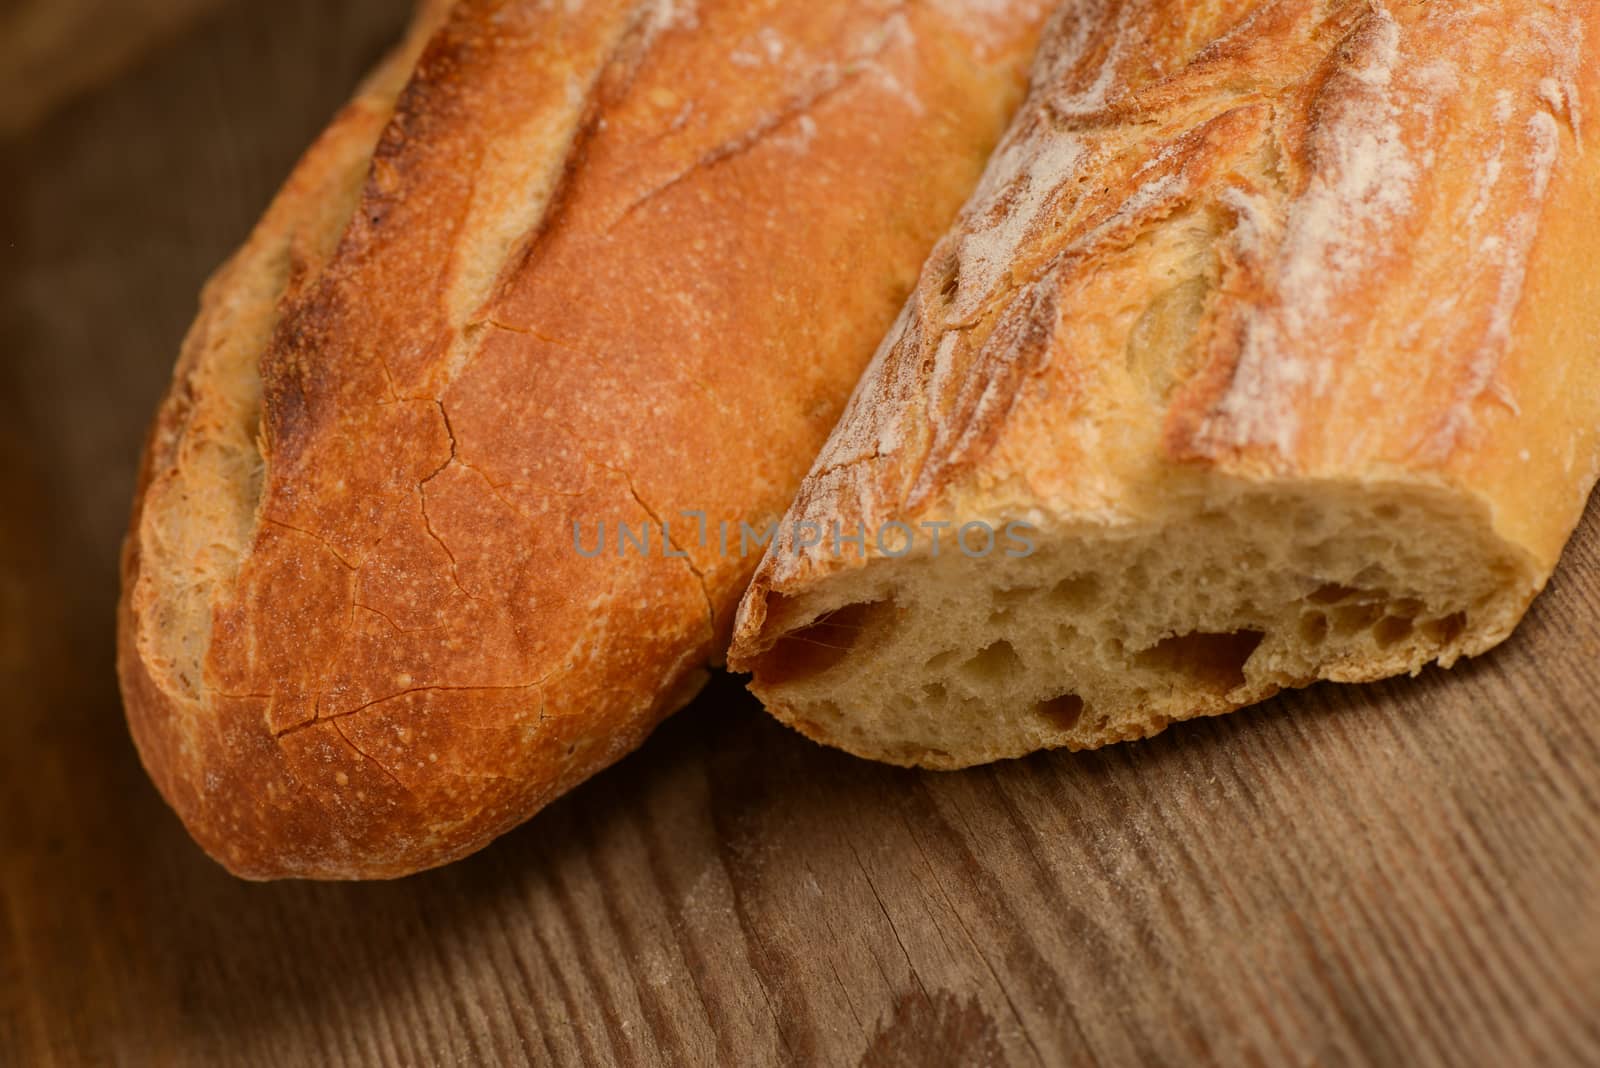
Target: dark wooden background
[[50, 50], [1399, 874]]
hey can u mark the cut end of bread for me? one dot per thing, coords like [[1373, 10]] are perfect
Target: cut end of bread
[[1111, 632]]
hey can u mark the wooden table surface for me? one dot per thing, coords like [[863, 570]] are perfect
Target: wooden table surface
[[51, 50], [1406, 873]]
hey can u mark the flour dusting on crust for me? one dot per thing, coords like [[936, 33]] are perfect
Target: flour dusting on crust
[[1322, 189], [1362, 191]]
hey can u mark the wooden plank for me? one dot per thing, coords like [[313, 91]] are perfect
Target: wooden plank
[[51, 50], [1402, 873]]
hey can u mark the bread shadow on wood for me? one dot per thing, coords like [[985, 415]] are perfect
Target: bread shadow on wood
[[709, 836], [720, 823]]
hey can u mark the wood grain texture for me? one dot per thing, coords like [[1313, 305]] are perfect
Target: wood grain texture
[[1402, 873], [53, 49]]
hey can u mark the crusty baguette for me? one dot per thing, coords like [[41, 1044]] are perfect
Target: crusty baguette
[[608, 262], [1276, 327]]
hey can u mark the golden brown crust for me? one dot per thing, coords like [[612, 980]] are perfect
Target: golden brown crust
[[1372, 208], [613, 261]]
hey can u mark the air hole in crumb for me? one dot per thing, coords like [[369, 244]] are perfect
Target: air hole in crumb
[[1392, 629], [1313, 628], [1388, 512], [1446, 630], [1079, 592], [1212, 662], [940, 661], [1332, 593], [934, 692], [1372, 576], [820, 645], [1308, 522], [993, 663], [1353, 618], [1409, 607], [1062, 712]]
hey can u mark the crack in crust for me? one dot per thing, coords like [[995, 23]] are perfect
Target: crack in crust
[[1301, 138], [453, 334], [1230, 255]]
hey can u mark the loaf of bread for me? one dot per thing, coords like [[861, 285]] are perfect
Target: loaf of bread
[[586, 266], [1268, 351]]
